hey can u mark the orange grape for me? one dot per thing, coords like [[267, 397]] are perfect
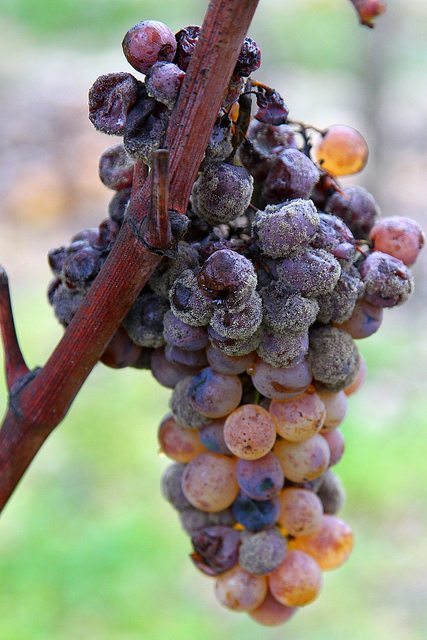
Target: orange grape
[[271, 613], [330, 545], [301, 511], [303, 461], [179, 443], [209, 482], [240, 590], [299, 418], [250, 432], [297, 581], [341, 150]]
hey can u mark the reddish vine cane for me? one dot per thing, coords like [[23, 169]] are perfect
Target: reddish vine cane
[[39, 399]]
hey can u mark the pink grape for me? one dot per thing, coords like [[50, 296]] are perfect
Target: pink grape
[[229, 365], [179, 443], [336, 444], [271, 613], [260, 479], [297, 581], [239, 590], [336, 408], [281, 383], [303, 461], [398, 236], [213, 394], [299, 418], [301, 511], [209, 482], [250, 432]]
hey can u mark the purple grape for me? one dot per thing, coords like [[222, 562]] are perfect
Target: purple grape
[[145, 129], [356, 207], [388, 281], [171, 487], [188, 302], [216, 549], [116, 168], [283, 350], [260, 479], [182, 409], [194, 359], [118, 204], [221, 193], [220, 145], [111, 98], [331, 493], [234, 347], [163, 82], [144, 322], [212, 436], [249, 59], [261, 553], [281, 383], [226, 275], [148, 42], [338, 305], [262, 144], [334, 236], [282, 229], [311, 272], [121, 351], [254, 515], [271, 108], [286, 312], [186, 40], [228, 365], [214, 395], [365, 320], [182, 335], [81, 268], [292, 175], [240, 324], [170, 269], [66, 303], [168, 373], [333, 357]]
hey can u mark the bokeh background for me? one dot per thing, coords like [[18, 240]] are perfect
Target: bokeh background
[[88, 549]]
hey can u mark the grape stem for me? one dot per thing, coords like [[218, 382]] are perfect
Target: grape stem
[[15, 365], [43, 401]]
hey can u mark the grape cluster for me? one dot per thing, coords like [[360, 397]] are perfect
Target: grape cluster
[[252, 321]]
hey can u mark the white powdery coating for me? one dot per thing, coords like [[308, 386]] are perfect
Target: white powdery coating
[[163, 82], [221, 193], [260, 553], [169, 270], [283, 228], [284, 312], [283, 350], [181, 408], [333, 357], [338, 305], [239, 324], [312, 272], [187, 301]]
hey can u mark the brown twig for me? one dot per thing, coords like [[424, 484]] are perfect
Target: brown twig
[[15, 365], [42, 403], [157, 232]]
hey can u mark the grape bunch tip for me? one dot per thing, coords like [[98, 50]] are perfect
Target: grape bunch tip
[[251, 323]]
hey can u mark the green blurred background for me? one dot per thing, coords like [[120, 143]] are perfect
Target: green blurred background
[[88, 549]]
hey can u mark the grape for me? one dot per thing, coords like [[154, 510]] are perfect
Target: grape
[[148, 42], [282, 229], [81, 267], [286, 312], [336, 444], [331, 493], [338, 305], [302, 461], [300, 511], [220, 145], [185, 357], [239, 590], [260, 553], [399, 237], [336, 408], [260, 479], [241, 324], [255, 515], [209, 482], [281, 383], [334, 236], [145, 129], [263, 142], [356, 207], [182, 409], [311, 272], [235, 347], [212, 437], [271, 107], [249, 59], [271, 613], [193, 520], [121, 351], [118, 204], [66, 303], [144, 322], [188, 302], [228, 276], [300, 418], [221, 193], [333, 357], [168, 271], [182, 335], [283, 350], [116, 168], [168, 373], [108, 231], [214, 395], [111, 98], [365, 320], [177, 442], [163, 82], [297, 581], [330, 545], [341, 150], [216, 549], [229, 365], [250, 432], [292, 175], [359, 379], [186, 40], [171, 487], [388, 281]]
